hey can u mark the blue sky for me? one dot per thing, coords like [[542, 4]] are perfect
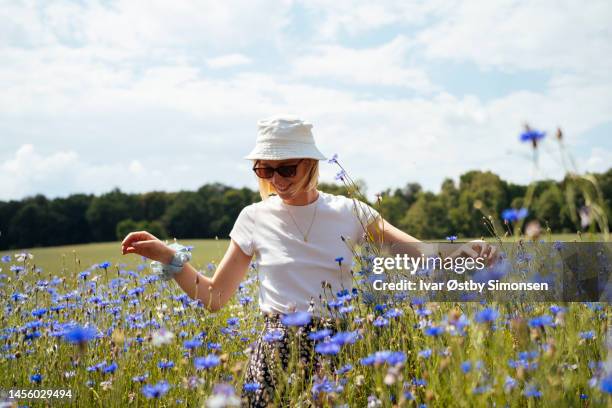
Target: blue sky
[[157, 95]]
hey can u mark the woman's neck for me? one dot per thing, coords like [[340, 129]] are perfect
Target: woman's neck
[[303, 198]]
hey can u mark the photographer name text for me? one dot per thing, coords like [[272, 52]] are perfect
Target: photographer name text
[[455, 285]]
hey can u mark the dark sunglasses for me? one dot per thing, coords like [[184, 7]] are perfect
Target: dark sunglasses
[[284, 171]]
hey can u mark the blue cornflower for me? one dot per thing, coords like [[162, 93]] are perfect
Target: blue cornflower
[[273, 335], [606, 384], [233, 321], [39, 312], [164, 365], [425, 353], [327, 347], [333, 159], [80, 335], [36, 378], [532, 135], [6, 258], [513, 215], [341, 175], [466, 366], [587, 335], [111, 368], [18, 296], [191, 344], [380, 322], [486, 315], [83, 275], [251, 387], [342, 338], [296, 319], [451, 238], [104, 265], [344, 369], [140, 378], [319, 335], [157, 390], [207, 362], [393, 313], [213, 346], [532, 391], [339, 260], [544, 320], [434, 331], [554, 309], [386, 356], [245, 300], [346, 309]]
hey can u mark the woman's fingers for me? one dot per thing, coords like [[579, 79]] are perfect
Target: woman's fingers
[[137, 247], [136, 236]]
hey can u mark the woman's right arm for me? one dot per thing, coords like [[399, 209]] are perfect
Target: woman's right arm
[[213, 292]]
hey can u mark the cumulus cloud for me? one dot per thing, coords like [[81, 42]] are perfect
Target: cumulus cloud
[[137, 96], [382, 65]]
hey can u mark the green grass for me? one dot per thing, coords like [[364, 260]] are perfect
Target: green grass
[[561, 369], [75, 258]]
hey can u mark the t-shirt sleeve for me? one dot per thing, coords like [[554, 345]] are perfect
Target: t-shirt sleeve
[[243, 230]]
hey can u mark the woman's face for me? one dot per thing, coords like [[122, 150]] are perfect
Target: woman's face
[[286, 186]]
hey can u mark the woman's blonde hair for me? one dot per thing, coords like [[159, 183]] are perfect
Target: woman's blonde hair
[[309, 182]]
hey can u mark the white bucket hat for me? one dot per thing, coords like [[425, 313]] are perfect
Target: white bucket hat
[[284, 137]]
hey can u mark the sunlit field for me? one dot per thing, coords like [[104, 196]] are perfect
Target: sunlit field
[[87, 319]]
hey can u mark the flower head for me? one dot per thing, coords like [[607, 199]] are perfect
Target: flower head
[[513, 215], [157, 390], [487, 315], [80, 335], [207, 362], [532, 135], [296, 319]]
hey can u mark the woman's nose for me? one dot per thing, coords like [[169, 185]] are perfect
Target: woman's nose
[[277, 177]]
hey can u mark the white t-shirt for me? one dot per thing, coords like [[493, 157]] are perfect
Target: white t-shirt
[[291, 271]]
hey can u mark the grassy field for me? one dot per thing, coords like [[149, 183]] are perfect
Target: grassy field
[[57, 259], [72, 259], [403, 351]]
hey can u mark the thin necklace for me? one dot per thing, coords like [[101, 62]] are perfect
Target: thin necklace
[[305, 236]]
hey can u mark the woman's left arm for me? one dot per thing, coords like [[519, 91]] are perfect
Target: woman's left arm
[[398, 241], [386, 234]]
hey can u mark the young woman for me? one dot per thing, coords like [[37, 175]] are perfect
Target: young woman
[[301, 237]]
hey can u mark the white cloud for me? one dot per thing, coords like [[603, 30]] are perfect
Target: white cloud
[[28, 172], [511, 35], [383, 65], [230, 60]]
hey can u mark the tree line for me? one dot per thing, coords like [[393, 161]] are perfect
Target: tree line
[[211, 210]]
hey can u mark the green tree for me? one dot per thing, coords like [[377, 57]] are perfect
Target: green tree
[[427, 218], [188, 216], [107, 210], [126, 226], [548, 207]]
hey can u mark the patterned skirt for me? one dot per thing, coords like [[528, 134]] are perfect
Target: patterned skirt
[[271, 357]]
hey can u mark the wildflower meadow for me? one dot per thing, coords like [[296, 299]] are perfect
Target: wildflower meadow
[[113, 334]]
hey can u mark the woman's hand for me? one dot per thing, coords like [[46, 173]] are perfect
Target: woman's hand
[[146, 244], [477, 249]]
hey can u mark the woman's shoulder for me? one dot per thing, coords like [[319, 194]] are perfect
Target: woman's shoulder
[[337, 201], [257, 205]]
